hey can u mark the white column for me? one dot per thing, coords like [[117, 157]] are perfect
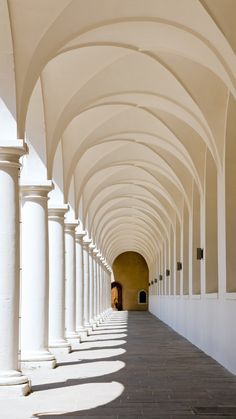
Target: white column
[[95, 252], [101, 286], [80, 285], [57, 342], [109, 289], [70, 291], [91, 284], [105, 287], [98, 286], [86, 243], [107, 282], [35, 284], [12, 382]]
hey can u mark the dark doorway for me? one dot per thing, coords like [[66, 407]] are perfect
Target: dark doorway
[[142, 297], [116, 295]]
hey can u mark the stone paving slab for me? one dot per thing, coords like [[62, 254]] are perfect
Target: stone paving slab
[[165, 376], [150, 372]]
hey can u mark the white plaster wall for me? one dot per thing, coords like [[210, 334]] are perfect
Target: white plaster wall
[[7, 78], [205, 321]]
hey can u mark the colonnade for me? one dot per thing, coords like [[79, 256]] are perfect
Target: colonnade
[[188, 262], [55, 285]]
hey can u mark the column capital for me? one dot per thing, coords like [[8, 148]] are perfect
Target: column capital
[[95, 252], [91, 248], [98, 255], [36, 191], [86, 243], [102, 261], [10, 152], [70, 226], [57, 212], [79, 235]]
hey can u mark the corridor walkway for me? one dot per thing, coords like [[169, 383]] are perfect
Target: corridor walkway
[[131, 369]]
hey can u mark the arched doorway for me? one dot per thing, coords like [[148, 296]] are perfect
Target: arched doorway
[[130, 270], [116, 295], [142, 297]]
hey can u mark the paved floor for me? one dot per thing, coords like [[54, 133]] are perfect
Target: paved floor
[[139, 369]]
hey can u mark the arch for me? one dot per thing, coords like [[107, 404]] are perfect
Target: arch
[[230, 197], [142, 297], [129, 109], [45, 37], [57, 194], [130, 269], [211, 230], [196, 241], [35, 167], [116, 296], [8, 111]]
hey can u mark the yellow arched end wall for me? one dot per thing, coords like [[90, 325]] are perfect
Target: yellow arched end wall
[[131, 271]]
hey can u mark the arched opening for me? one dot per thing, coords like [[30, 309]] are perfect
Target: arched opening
[[131, 272], [230, 198], [142, 297], [116, 295]]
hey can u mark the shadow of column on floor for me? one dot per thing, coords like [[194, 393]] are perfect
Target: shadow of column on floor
[[165, 376]]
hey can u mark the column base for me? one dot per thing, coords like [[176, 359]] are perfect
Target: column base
[[33, 365], [83, 336], [82, 332], [38, 360], [74, 344], [93, 324], [15, 390], [107, 313], [73, 340], [60, 348], [88, 328], [72, 337], [96, 319], [14, 384]]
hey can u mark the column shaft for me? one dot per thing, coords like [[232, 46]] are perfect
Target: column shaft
[[35, 285], [98, 288], [91, 287], [95, 285], [101, 288], [11, 379], [57, 342], [86, 282], [108, 291], [70, 291], [79, 283]]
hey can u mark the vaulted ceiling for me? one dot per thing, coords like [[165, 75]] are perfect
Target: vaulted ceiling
[[126, 97]]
